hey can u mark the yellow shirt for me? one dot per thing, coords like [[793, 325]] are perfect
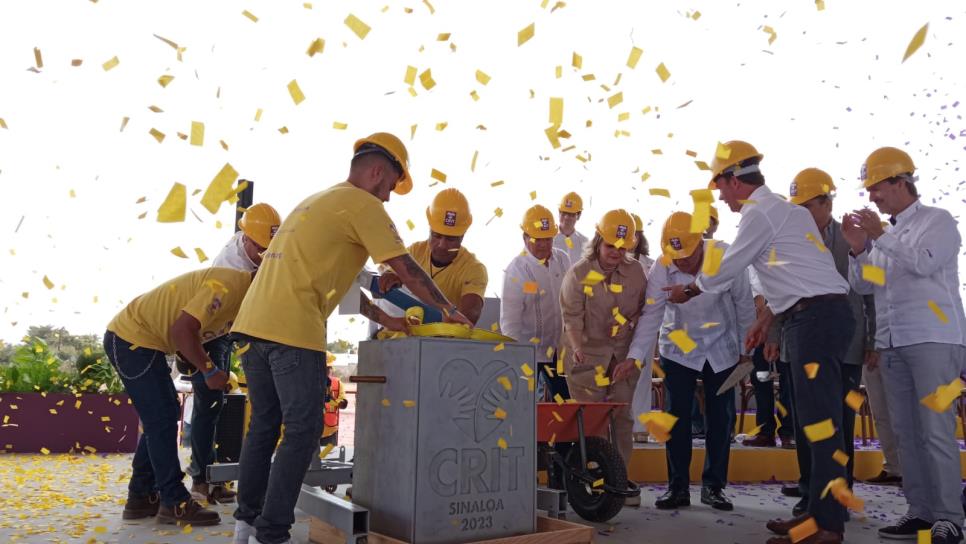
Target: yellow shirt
[[311, 263], [211, 295], [464, 276]]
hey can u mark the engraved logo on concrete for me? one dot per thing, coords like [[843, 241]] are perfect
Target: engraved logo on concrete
[[475, 395]]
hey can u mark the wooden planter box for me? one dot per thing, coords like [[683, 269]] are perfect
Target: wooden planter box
[[549, 531], [62, 423]]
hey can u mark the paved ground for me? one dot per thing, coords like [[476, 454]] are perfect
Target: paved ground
[[61, 498]]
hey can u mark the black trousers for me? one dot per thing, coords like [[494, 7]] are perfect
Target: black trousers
[[680, 382], [765, 397], [821, 334]]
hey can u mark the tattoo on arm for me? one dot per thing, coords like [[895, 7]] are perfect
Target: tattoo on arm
[[367, 308], [422, 278]]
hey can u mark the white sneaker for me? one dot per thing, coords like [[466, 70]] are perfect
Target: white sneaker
[[244, 533]]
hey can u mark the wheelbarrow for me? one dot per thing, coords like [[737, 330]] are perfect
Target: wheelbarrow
[[576, 446]]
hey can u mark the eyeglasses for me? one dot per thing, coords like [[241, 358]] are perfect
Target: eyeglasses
[[366, 149]]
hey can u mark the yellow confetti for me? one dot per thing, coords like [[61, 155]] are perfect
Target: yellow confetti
[[803, 530], [660, 192], [409, 403], [197, 133], [258, 114], [502, 443], [172, 210], [482, 77], [524, 35], [426, 79], [437, 175], [569, 242], [756, 430], [873, 274], [499, 413], [385, 402], [818, 243], [634, 56], [44, 451], [942, 398], [3, 124], [854, 400], [602, 380], [201, 255], [712, 260], [38, 59], [616, 288], [816, 432], [47, 283], [841, 457], [178, 252], [662, 72], [356, 25], [916, 42], [771, 34], [157, 134], [317, 46], [615, 99], [410, 224], [592, 278], [220, 189], [250, 15], [924, 536], [556, 111], [109, 65], [326, 450], [811, 370], [682, 340], [499, 347], [339, 126], [557, 416], [330, 294], [505, 382], [577, 61], [295, 92], [938, 311]]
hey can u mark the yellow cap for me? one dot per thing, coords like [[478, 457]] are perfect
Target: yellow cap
[[737, 152], [617, 225], [885, 163], [677, 240], [571, 203], [397, 150], [808, 184], [638, 222], [260, 223], [538, 223], [449, 214]]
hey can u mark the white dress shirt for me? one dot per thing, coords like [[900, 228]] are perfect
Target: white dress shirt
[[523, 315], [573, 253], [720, 345], [233, 255], [919, 255], [773, 229]]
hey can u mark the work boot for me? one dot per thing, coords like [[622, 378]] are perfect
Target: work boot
[[145, 506], [673, 499], [715, 498], [189, 512], [782, 526]]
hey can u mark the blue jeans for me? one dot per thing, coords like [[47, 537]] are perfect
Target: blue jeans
[[820, 333], [680, 382], [147, 379], [206, 410], [285, 386]]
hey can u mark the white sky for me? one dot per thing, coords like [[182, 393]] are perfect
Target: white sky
[[792, 99]]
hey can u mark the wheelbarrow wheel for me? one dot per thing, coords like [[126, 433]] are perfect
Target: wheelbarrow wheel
[[603, 462]]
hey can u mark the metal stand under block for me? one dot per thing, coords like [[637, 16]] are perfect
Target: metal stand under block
[[351, 519], [553, 501]]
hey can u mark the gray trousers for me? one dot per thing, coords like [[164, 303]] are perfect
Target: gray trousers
[[879, 404], [931, 478]]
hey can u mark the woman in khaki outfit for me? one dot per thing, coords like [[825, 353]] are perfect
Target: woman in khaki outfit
[[599, 318]]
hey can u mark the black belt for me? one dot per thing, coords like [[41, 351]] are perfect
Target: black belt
[[804, 303]]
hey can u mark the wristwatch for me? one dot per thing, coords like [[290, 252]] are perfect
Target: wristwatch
[[691, 292]]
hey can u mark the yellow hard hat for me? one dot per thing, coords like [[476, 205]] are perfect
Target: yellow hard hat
[[397, 151], [449, 214], [808, 184], [329, 358], [638, 222], [538, 223], [571, 203], [617, 225], [260, 223], [885, 163], [737, 152], [677, 240], [714, 213]]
